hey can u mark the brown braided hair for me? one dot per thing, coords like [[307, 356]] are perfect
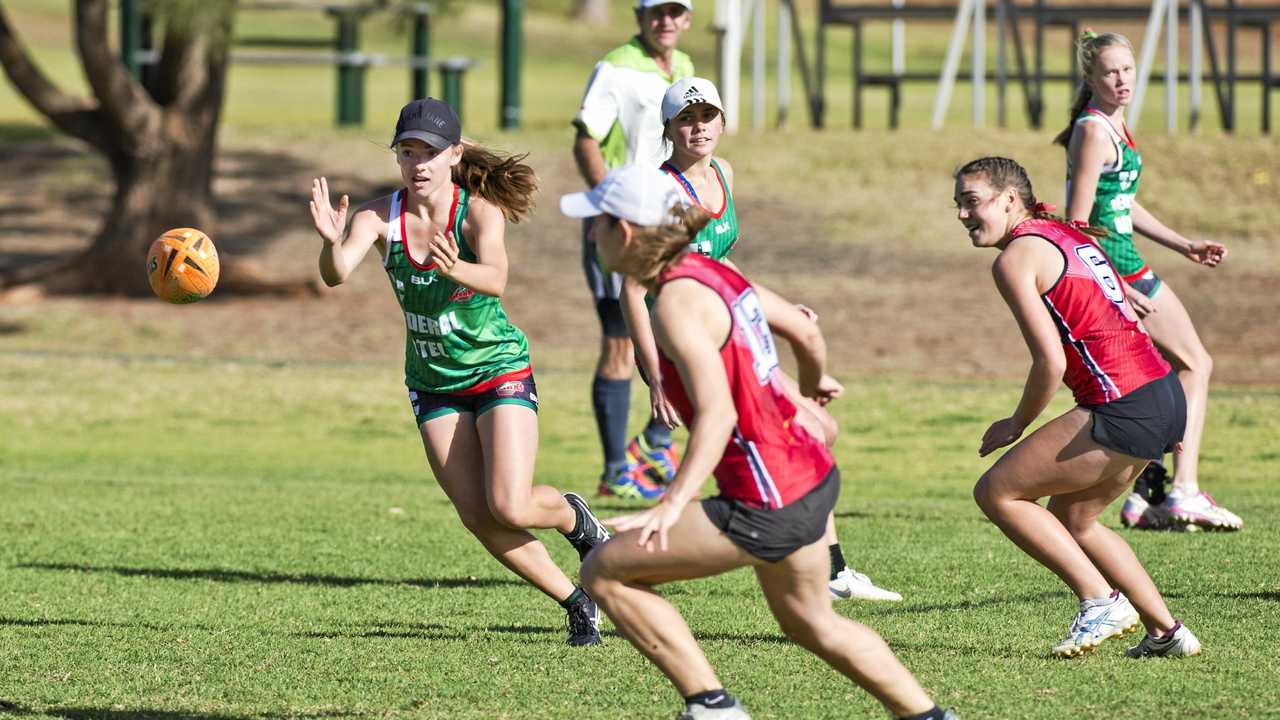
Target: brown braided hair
[[1004, 173], [1089, 47]]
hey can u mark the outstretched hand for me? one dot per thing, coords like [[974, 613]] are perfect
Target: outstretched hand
[[329, 222], [1206, 252]]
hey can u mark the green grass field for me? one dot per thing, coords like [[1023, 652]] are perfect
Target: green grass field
[[224, 510], [241, 539]]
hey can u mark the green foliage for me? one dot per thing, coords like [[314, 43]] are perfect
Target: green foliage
[[229, 539]]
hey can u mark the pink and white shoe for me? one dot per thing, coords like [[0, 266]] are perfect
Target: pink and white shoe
[[1140, 514], [1200, 510]]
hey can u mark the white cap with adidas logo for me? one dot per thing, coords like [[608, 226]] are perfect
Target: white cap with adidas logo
[[689, 91]]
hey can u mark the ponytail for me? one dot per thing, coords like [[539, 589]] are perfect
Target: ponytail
[[1083, 96], [660, 247], [504, 180]]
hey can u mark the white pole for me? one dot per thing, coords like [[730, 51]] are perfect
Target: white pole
[[1149, 39], [731, 62], [898, 33], [979, 62], [757, 66], [784, 62], [1171, 68], [947, 80], [1195, 68]]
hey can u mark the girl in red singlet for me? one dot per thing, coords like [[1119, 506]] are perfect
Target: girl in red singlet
[[1070, 305], [777, 480]]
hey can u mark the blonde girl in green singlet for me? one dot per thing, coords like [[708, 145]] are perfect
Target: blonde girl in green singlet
[[467, 369], [1103, 171], [693, 122]]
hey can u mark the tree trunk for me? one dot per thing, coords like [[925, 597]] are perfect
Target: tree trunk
[[591, 12]]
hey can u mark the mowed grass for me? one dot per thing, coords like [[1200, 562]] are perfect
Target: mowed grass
[[244, 539]]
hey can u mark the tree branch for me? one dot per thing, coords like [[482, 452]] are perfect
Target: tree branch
[[75, 116], [121, 97]]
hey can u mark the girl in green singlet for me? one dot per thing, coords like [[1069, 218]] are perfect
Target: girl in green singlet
[[1103, 169], [693, 122], [471, 387]]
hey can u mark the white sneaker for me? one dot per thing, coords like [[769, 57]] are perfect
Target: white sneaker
[[1097, 620], [852, 584], [1179, 643], [1140, 514], [1201, 510], [698, 711]]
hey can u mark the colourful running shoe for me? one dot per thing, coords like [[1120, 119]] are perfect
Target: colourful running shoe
[[1178, 642], [1140, 514], [1098, 620], [629, 481], [1200, 510], [659, 462]]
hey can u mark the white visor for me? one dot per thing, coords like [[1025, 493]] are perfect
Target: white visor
[[639, 194]]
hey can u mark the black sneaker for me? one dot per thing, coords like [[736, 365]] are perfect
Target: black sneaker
[[590, 532], [584, 623], [1151, 483]]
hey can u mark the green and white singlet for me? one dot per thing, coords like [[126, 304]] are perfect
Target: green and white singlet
[[1113, 200], [456, 340], [718, 238]]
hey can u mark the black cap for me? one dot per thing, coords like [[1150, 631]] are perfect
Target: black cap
[[431, 121]]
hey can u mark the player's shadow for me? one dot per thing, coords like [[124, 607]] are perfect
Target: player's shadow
[[912, 609], [242, 576], [92, 713], [388, 631], [77, 622], [1269, 595]]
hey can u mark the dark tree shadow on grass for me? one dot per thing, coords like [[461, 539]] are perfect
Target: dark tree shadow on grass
[[1269, 595], [388, 631], [236, 576], [1024, 599], [77, 622]]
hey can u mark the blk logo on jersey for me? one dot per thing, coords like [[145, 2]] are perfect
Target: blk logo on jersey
[[420, 280]]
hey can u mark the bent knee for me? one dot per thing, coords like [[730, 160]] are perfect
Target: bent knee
[[983, 493], [511, 512]]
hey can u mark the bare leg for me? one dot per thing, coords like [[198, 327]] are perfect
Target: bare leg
[[1058, 459], [796, 590], [1171, 330], [617, 360], [620, 576], [453, 450], [509, 440], [1109, 552]]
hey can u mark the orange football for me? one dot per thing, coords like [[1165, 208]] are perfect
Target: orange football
[[182, 266]]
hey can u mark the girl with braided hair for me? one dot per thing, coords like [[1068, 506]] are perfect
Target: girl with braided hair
[[1103, 169], [1069, 302]]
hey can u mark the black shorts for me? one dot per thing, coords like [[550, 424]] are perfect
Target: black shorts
[[771, 535], [1146, 423], [606, 288], [1149, 283], [429, 405]]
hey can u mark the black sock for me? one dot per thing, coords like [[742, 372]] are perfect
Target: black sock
[[657, 434], [837, 560], [575, 597], [717, 698], [934, 713], [611, 400]]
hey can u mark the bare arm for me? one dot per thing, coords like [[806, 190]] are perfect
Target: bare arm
[[639, 326], [810, 348], [338, 256], [691, 323], [1016, 272], [488, 274], [586, 152], [1089, 150], [1204, 252]]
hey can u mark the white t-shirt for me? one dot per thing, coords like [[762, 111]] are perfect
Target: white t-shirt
[[622, 107]]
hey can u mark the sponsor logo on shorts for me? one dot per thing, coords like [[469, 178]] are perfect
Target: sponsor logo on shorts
[[509, 389]]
